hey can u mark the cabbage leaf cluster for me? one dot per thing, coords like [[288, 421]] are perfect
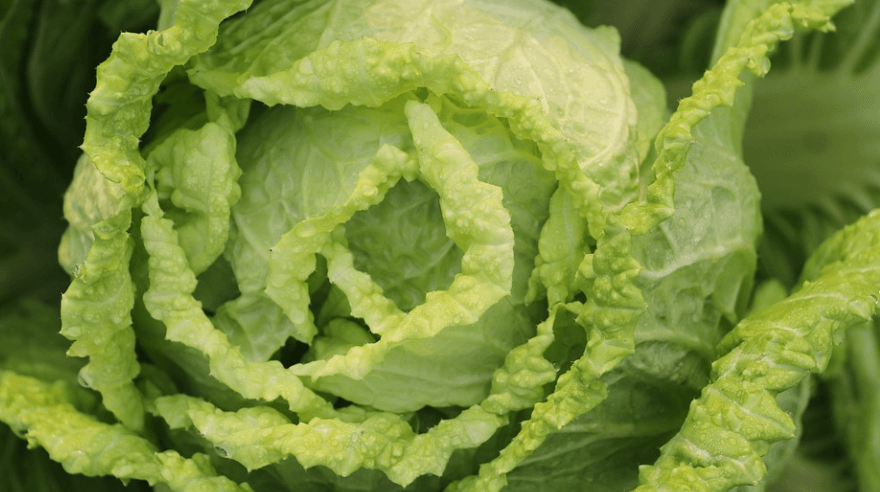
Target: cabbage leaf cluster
[[458, 245]]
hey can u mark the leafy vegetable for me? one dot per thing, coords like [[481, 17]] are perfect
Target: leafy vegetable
[[440, 245]]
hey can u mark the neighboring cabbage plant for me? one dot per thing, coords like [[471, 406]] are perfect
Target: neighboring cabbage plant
[[453, 245]]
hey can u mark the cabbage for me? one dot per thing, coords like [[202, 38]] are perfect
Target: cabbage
[[443, 245]]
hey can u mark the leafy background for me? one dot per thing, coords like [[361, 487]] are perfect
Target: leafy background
[[48, 53]]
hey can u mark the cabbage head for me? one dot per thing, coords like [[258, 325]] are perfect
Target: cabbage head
[[455, 245]]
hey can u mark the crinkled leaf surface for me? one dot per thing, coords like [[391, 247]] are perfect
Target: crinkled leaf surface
[[362, 245]]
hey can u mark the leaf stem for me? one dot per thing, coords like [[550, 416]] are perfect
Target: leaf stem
[[857, 52], [796, 51], [815, 54]]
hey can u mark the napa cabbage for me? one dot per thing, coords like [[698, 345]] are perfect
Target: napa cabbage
[[460, 245]]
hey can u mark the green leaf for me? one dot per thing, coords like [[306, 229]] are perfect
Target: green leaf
[[95, 308], [731, 426], [170, 301], [401, 244], [259, 436], [83, 445], [475, 221], [196, 171]]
